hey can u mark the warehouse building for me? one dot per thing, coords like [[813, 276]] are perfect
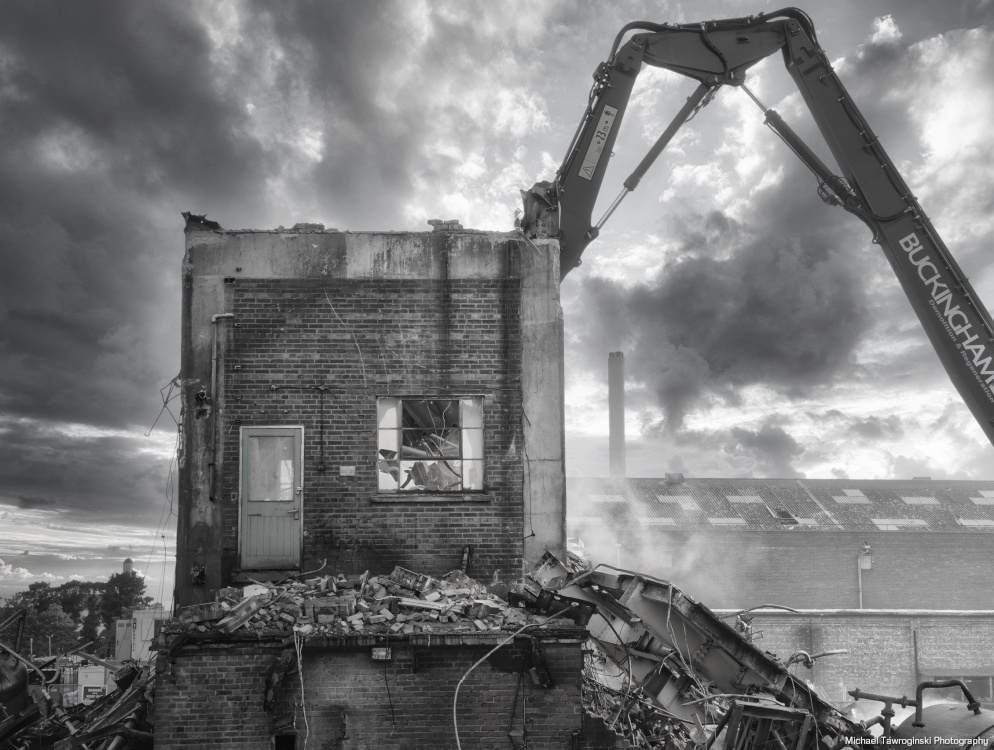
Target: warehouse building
[[896, 573]]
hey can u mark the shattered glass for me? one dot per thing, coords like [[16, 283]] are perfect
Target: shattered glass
[[422, 444]]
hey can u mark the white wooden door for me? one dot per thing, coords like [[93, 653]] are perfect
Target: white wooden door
[[271, 496]]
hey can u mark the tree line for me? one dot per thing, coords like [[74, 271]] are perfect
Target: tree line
[[74, 613]]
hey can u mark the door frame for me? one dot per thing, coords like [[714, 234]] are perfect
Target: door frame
[[244, 432]]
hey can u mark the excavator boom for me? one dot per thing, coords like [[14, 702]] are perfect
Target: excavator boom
[[865, 182]]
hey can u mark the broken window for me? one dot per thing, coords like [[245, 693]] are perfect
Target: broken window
[[784, 516], [430, 445]]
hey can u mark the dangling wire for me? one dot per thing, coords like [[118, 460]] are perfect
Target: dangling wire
[[172, 385], [495, 649], [298, 642]]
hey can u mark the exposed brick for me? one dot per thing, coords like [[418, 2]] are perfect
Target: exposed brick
[[886, 654], [355, 702], [362, 339]]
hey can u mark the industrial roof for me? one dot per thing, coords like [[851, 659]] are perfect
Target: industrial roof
[[676, 503]]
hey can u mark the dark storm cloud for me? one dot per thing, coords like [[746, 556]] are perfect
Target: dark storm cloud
[[335, 55], [771, 448], [114, 117], [136, 80], [85, 476], [772, 310], [107, 113], [34, 501]]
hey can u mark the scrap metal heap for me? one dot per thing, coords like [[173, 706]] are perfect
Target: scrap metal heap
[[118, 720], [666, 672]]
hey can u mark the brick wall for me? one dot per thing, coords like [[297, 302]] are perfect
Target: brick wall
[[887, 653], [307, 329], [211, 696], [360, 339], [817, 569]]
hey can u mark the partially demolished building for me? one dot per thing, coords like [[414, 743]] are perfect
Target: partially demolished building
[[359, 402], [365, 400]]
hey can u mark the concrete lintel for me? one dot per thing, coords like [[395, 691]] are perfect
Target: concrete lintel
[[349, 255]]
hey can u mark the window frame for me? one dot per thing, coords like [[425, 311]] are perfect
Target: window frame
[[245, 464], [398, 460]]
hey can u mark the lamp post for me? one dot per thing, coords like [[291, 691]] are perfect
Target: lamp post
[[49, 645]]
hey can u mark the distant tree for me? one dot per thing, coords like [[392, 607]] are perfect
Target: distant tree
[[122, 593], [38, 626], [37, 598], [75, 612], [75, 597], [78, 598], [52, 621]]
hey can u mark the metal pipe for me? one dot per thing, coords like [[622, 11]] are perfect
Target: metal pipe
[[28, 664], [693, 100], [128, 732], [971, 703], [914, 641], [657, 148], [777, 124], [888, 713]]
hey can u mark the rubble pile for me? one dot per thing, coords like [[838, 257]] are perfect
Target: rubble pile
[[401, 603], [630, 714], [120, 719]]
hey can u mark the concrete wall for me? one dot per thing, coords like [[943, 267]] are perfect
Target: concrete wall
[[888, 652], [325, 322], [211, 695], [812, 569]]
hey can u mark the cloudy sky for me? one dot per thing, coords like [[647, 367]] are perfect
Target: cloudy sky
[[764, 334]]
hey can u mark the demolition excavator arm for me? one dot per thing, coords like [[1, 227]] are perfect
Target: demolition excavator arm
[[866, 184]]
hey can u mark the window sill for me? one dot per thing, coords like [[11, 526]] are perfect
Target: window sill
[[430, 497]]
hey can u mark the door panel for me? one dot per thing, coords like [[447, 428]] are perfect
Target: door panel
[[271, 497]]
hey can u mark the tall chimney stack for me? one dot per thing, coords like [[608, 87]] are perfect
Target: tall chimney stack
[[616, 411]]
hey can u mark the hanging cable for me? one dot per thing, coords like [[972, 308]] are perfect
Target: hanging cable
[[173, 384], [386, 682], [164, 516], [514, 701], [515, 634], [298, 641]]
